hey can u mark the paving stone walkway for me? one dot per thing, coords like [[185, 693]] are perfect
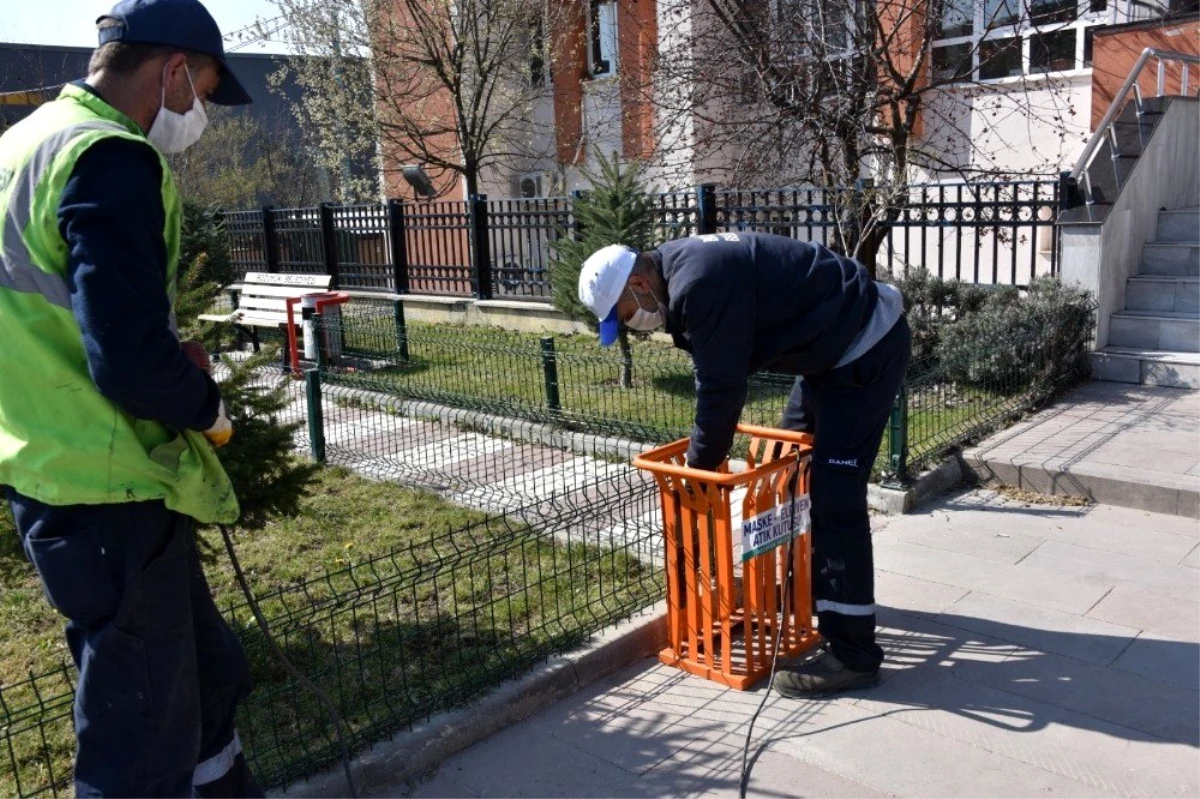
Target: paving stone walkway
[[530, 481], [1032, 650]]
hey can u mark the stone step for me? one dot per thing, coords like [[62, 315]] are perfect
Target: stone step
[[1147, 367], [1155, 330], [1173, 258], [1163, 293], [1131, 137], [1116, 444], [1179, 225]]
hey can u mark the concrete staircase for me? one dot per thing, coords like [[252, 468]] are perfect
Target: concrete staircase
[[1155, 340]]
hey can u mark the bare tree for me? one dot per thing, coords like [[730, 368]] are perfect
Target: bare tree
[[241, 162], [450, 85], [829, 92]]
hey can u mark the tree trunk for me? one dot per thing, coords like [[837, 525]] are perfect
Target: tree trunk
[[626, 359]]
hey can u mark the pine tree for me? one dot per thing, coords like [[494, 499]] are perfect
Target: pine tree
[[260, 459], [616, 209]]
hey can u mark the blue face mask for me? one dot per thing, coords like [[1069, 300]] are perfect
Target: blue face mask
[[644, 321]]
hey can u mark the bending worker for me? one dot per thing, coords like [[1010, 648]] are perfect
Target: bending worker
[[107, 421], [745, 302]]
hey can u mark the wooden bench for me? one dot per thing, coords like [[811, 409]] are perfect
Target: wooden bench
[[260, 300]]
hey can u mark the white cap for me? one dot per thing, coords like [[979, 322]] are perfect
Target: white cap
[[601, 282]]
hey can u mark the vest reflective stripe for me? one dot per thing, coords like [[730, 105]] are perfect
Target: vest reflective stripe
[[19, 273]]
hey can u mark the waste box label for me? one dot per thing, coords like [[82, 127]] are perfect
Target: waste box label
[[776, 526]]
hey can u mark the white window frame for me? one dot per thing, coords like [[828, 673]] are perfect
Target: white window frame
[[602, 28], [782, 10], [1115, 11]]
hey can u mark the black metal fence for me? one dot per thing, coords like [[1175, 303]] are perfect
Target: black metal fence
[[999, 233]]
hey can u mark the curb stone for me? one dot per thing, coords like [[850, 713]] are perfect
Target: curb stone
[[926, 486], [411, 755]]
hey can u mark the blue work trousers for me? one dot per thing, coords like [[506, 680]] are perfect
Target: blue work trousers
[[160, 672]]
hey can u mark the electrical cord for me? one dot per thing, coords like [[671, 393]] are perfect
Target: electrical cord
[[339, 724], [787, 590]]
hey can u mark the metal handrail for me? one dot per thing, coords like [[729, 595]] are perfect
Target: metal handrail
[[1105, 127]]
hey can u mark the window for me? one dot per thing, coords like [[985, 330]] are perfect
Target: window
[[1052, 52], [1016, 37], [957, 18], [952, 63], [1043, 12], [603, 25], [827, 25], [1088, 40], [998, 13], [537, 54], [999, 58]]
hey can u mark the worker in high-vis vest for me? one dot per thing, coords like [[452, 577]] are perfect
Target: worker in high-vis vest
[[107, 421]]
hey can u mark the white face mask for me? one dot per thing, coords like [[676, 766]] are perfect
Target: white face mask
[[173, 133], [644, 321]]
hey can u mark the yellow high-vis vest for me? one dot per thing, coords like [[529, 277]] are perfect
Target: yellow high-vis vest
[[61, 441]]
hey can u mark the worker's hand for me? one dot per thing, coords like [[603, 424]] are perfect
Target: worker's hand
[[197, 353], [222, 430]]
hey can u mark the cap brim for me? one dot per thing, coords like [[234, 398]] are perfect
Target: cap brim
[[610, 328], [229, 90]]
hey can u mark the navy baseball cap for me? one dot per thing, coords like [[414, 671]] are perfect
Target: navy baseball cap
[[185, 24]]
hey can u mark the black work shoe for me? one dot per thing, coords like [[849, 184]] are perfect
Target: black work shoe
[[822, 676]]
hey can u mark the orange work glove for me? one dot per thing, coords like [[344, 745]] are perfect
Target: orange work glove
[[222, 430]]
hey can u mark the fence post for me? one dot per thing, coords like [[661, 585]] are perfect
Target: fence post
[[316, 415], [706, 208], [481, 248], [270, 239], [550, 373], [395, 212], [576, 225], [330, 243], [395, 216], [401, 329], [898, 436]]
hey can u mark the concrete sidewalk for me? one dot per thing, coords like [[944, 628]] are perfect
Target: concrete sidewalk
[[1033, 650], [1133, 446]]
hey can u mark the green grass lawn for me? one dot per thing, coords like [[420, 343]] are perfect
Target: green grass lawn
[[502, 370], [397, 603]]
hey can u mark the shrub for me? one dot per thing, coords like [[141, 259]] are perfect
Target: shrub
[[267, 476], [205, 237], [616, 209], [1015, 343], [934, 304]]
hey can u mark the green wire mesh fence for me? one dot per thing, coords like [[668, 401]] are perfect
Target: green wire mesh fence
[[536, 432], [400, 636], [979, 368]]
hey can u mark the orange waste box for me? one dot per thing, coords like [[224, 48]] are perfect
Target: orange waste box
[[726, 605]]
